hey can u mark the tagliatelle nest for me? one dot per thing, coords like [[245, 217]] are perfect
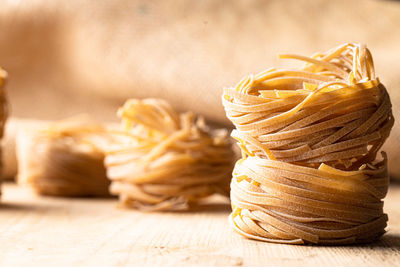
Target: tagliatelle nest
[[3, 111], [63, 159], [164, 160], [309, 140]]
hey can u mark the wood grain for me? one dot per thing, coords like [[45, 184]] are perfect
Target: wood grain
[[44, 231]]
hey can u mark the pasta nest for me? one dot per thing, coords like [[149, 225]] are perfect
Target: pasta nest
[[309, 139], [3, 109], [63, 159], [164, 160]]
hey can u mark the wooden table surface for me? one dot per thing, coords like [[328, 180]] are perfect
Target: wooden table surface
[[46, 231]]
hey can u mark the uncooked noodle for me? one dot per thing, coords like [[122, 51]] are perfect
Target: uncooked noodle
[[3, 110], [64, 158], [164, 160], [309, 140]]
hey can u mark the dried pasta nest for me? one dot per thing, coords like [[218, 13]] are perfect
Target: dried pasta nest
[[164, 160], [63, 159], [309, 139], [3, 111]]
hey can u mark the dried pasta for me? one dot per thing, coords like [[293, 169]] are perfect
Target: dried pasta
[[164, 160], [3, 111], [64, 159], [309, 141]]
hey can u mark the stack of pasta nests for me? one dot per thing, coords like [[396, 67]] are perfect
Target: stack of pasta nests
[[309, 140], [3, 109], [164, 160]]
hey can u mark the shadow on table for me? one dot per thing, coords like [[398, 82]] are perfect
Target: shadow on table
[[21, 207], [389, 240], [211, 207], [211, 204], [395, 181]]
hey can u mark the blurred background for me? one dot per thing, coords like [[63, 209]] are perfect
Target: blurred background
[[71, 56]]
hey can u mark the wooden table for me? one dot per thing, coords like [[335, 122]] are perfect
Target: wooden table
[[48, 231]]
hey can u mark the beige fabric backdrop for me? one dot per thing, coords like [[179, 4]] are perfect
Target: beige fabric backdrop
[[66, 57]]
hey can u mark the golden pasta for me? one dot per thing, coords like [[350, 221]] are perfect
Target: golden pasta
[[3, 111], [63, 159], [309, 140], [164, 160]]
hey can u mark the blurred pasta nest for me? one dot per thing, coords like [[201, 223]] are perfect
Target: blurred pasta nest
[[3, 108], [164, 160], [64, 159], [309, 140]]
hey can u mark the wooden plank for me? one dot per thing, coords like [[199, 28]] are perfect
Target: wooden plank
[[48, 231]]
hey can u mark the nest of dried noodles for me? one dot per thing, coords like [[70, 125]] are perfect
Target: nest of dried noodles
[[3, 111], [64, 159], [164, 160]]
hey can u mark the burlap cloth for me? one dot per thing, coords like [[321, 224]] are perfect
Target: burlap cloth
[[66, 57]]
